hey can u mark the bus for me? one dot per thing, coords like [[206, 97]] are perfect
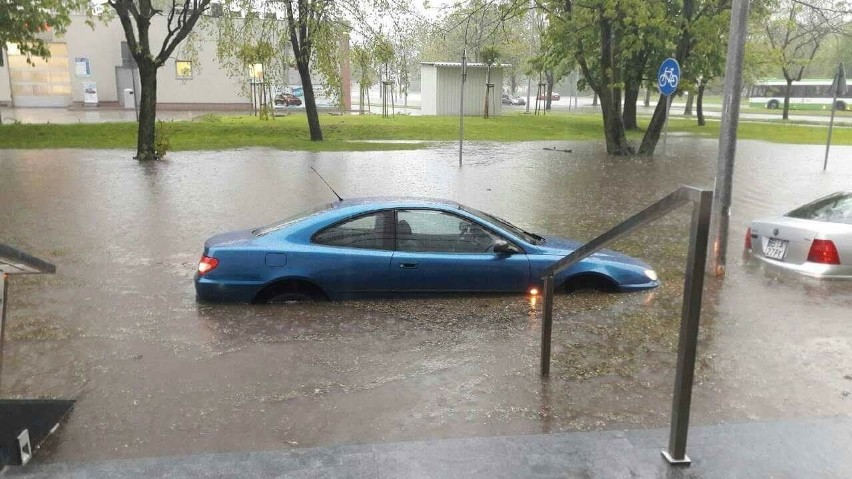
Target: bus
[[805, 95]]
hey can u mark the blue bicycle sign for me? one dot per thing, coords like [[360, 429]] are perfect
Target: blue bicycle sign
[[668, 76]]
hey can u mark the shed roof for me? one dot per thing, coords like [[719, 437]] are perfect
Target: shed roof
[[469, 65]]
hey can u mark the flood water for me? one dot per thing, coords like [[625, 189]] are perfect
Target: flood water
[[154, 373]]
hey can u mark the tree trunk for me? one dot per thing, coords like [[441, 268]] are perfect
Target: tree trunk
[[700, 103], [595, 99], [513, 82], [487, 83], [647, 97], [787, 92], [616, 137], [610, 97], [310, 100], [690, 98], [631, 96], [652, 134], [632, 84], [147, 112], [549, 78], [486, 101]]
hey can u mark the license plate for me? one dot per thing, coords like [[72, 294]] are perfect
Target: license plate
[[775, 248]]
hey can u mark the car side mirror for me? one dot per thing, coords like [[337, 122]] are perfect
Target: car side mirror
[[503, 247]]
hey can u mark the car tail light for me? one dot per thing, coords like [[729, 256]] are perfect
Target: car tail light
[[823, 251], [748, 238], [207, 264]]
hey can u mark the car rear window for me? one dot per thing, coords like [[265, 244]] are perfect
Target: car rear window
[[836, 208], [289, 221]]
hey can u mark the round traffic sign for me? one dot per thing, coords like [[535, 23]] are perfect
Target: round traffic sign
[[668, 76]]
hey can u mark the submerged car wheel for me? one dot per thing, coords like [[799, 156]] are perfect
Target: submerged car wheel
[[290, 291], [291, 297], [595, 282]]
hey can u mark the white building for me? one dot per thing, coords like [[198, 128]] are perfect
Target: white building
[[440, 89], [87, 65]]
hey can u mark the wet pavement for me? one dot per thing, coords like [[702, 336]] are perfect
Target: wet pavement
[[801, 448], [156, 374]]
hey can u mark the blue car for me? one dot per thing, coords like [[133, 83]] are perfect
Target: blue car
[[374, 247]]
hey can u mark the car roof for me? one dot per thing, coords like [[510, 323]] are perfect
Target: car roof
[[395, 202]]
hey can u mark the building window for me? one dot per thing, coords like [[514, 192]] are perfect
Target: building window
[[183, 69], [256, 72]]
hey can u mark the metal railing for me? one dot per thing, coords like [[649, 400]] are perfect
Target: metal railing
[[693, 286], [24, 423]]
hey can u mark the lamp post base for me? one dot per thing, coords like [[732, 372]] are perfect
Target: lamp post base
[[677, 462]]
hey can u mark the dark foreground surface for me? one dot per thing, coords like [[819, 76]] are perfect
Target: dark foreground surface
[[811, 448], [155, 374]]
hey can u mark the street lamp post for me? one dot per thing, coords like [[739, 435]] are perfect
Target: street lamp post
[[461, 104]]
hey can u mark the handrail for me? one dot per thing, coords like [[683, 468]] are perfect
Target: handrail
[[14, 261], [670, 202], [693, 287]]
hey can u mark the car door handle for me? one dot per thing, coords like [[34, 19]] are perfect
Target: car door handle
[[407, 265]]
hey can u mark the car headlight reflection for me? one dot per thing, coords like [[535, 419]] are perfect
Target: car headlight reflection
[[651, 274]]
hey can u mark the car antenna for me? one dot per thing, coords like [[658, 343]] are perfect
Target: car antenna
[[326, 184]]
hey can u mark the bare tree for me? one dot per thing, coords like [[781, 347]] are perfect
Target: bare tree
[[135, 17], [489, 56], [792, 33], [308, 21]]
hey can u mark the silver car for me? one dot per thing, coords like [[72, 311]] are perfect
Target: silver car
[[814, 239]]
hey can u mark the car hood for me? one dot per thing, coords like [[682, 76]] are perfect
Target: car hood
[[562, 246]]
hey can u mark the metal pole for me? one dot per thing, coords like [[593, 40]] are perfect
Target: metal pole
[[728, 136], [532, 46], [666, 123], [461, 106], [693, 287], [546, 325], [3, 296], [831, 122]]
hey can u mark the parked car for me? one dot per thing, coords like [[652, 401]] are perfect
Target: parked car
[[287, 99], [553, 96], [388, 246], [814, 239], [513, 100]]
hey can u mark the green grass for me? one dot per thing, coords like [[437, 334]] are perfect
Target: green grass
[[363, 133], [773, 132], [714, 103]]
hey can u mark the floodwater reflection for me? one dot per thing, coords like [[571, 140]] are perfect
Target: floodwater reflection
[[155, 373]]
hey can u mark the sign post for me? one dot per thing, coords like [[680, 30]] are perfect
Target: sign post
[[668, 77], [461, 103], [837, 88]]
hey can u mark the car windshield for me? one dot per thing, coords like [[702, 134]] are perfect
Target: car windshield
[[288, 221], [836, 208], [501, 223]]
